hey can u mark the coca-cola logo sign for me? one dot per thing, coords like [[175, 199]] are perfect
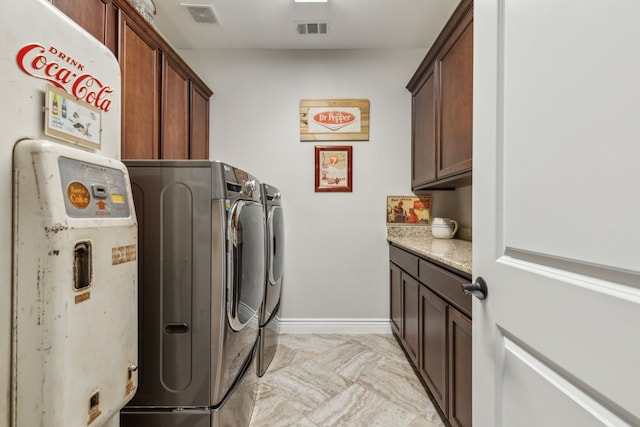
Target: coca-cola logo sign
[[64, 72]]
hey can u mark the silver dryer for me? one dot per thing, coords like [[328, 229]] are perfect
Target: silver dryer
[[202, 274]]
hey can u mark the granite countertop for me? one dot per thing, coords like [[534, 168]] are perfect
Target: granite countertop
[[455, 253]]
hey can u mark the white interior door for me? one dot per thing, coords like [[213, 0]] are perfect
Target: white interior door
[[556, 202]]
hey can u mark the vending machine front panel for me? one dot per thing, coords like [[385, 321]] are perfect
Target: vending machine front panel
[[75, 286]]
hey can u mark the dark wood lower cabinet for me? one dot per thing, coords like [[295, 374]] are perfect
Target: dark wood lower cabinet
[[430, 318], [459, 369], [395, 306], [410, 303], [433, 339]]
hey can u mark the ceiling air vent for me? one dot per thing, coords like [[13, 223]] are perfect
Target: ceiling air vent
[[201, 13], [312, 28]]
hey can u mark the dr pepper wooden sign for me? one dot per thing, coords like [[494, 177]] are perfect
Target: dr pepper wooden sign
[[334, 120]]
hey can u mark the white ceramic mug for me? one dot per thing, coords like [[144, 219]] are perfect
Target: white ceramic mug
[[443, 228]]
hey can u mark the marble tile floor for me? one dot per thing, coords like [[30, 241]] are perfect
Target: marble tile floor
[[327, 380]]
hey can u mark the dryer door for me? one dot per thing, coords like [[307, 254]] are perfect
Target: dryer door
[[246, 262], [276, 245]]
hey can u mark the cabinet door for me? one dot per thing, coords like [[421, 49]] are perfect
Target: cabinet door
[[98, 17], [140, 65], [424, 137], [175, 111], [459, 369], [395, 291], [410, 320], [433, 345], [456, 68], [199, 142]]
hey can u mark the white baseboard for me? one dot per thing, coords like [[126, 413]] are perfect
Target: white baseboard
[[335, 326]]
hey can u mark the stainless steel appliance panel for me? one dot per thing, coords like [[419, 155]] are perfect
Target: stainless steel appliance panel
[[166, 419], [202, 285], [275, 227], [245, 267], [238, 406], [268, 342], [174, 309], [235, 411], [269, 316], [246, 254]]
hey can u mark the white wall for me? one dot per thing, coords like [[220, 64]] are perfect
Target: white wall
[[336, 272]]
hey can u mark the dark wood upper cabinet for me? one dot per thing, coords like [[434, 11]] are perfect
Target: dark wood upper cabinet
[[175, 111], [442, 113], [424, 132], [140, 64], [456, 101], [199, 123], [165, 105], [98, 17]]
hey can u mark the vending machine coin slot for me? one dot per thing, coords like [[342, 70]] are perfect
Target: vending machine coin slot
[[99, 191], [82, 266], [94, 401], [94, 407]]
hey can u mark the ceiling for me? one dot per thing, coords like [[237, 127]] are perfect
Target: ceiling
[[271, 24]]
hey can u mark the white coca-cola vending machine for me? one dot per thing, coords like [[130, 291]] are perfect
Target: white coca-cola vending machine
[[68, 230]]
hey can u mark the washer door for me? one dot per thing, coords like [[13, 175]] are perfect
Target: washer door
[[276, 245], [246, 262]]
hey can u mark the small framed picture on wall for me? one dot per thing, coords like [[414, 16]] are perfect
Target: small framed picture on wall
[[333, 169]]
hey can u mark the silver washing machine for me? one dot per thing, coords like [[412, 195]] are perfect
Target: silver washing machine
[[269, 315], [202, 275]]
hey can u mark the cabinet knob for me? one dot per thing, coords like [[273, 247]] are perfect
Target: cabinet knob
[[478, 288]]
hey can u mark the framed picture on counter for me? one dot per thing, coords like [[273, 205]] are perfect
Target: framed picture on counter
[[333, 168], [410, 210]]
